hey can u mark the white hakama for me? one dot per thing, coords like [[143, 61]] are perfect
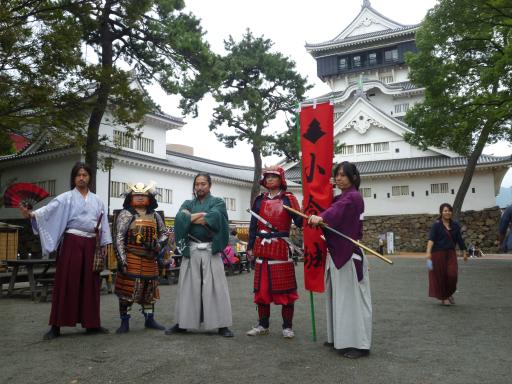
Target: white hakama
[[349, 306], [203, 294]]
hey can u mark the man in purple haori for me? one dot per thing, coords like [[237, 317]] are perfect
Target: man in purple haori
[[347, 284]]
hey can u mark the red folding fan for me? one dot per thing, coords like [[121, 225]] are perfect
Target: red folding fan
[[23, 194]]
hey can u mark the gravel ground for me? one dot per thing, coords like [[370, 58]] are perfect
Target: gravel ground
[[415, 340]]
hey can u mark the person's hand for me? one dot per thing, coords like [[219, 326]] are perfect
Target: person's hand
[[104, 250], [122, 267], [250, 256], [198, 218], [26, 212], [465, 255], [430, 265], [315, 220]]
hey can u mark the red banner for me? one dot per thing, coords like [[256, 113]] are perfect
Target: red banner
[[316, 138]]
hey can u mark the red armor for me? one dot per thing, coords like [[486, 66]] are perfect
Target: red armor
[[272, 210]]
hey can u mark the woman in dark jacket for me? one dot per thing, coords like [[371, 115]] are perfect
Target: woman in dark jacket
[[444, 235]]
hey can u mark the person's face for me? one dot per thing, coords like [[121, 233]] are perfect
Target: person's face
[[140, 200], [446, 213], [272, 181], [82, 179], [342, 181], [201, 187]]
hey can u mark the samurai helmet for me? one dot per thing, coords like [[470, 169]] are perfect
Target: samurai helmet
[[142, 189], [273, 170]]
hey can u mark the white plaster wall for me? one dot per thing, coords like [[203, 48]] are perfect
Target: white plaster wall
[[377, 135], [483, 197], [148, 130], [400, 74]]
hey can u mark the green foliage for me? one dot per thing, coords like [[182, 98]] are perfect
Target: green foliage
[[465, 64], [256, 86], [65, 62], [39, 67]]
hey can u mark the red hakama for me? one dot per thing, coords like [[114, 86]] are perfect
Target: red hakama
[[76, 294]]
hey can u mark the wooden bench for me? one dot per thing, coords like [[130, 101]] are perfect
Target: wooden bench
[[22, 277], [46, 283]]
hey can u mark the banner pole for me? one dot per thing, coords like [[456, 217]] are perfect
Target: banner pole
[[313, 323]]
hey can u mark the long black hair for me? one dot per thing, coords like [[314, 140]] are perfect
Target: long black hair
[[205, 175], [74, 172], [350, 170]]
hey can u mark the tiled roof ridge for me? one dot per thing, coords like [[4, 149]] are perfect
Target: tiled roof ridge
[[363, 36], [209, 161]]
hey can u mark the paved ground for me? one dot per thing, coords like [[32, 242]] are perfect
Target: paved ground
[[415, 340]]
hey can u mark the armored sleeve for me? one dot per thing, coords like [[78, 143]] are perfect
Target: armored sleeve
[[122, 225], [161, 229]]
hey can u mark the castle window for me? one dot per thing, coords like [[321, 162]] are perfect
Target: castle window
[[363, 148], [230, 203], [381, 147], [145, 145], [400, 190], [372, 58], [48, 186], [439, 188], [401, 108], [391, 55], [140, 143], [366, 192], [123, 139], [342, 63], [356, 61], [168, 196], [347, 150], [117, 188], [159, 195]]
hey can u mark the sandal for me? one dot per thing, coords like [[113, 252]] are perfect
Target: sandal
[[451, 300]]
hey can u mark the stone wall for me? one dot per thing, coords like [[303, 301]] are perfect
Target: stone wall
[[411, 231]]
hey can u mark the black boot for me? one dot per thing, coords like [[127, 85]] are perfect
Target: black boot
[[226, 332], [151, 322], [52, 333], [175, 329], [96, 330], [125, 324]]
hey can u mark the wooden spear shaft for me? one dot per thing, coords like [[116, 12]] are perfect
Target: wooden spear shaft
[[355, 242]]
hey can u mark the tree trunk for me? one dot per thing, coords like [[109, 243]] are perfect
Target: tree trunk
[[470, 169], [255, 190], [104, 88]]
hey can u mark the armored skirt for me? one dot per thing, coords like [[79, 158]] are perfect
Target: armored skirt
[[140, 282]]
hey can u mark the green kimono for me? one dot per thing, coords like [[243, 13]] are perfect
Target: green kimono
[[216, 231], [203, 295]]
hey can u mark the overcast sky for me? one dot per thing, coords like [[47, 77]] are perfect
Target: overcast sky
[[289, 24]]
